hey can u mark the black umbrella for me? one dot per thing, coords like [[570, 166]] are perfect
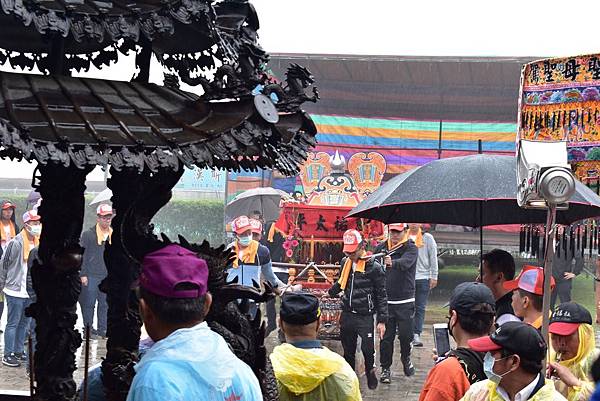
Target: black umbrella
[[478, 190]]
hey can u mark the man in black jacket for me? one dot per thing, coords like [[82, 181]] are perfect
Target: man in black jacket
[[400, 265], [93, 270], [363, 282], [566, 265]]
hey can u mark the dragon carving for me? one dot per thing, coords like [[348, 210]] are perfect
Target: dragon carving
[[227, 317], [293, 94]]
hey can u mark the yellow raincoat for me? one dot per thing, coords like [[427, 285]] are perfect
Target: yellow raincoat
[[580, 366], [316, 374], [546, 393]]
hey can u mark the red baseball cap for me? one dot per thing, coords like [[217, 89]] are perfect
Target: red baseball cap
[[8, 205], [104, 210], [31, 215], [256, 226], [164, 269], [531, 279], [397, 227], [241, 224], [352, 240]]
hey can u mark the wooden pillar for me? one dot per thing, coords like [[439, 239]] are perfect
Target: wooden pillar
[[136, 199], [56, 280]]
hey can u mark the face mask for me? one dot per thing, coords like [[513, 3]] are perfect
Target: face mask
[[35, 230], [488, 368], [245, 241]]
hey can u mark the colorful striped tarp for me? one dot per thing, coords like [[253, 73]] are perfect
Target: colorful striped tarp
[[406, 144]]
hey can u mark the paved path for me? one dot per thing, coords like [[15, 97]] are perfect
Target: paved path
[[401, 388]]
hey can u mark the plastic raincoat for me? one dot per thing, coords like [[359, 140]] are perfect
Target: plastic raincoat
[[546, 393], [194, 364], [315, 374], [580, 366]]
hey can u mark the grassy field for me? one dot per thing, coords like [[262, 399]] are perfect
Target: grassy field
[[451, 276]]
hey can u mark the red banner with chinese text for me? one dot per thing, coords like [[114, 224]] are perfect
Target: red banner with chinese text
[[323, 223]]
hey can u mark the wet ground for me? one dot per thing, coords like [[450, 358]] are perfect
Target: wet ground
[[401, 387]]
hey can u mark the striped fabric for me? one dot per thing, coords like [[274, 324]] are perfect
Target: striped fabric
[[409, 143]]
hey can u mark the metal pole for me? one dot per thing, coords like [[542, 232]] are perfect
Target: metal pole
[[86, 363], [548, 256], [480, 151], [481, 239], [440, 142], [30, 363]]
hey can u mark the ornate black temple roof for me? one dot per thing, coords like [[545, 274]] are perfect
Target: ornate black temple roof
[[86, 121], [89, 121]]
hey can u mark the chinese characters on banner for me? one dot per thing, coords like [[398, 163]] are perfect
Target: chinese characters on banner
[[561, 101], [197, 179], [323, 224]]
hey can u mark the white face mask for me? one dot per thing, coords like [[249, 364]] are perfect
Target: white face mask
[[245, 241], [36, 231], [488, 368]]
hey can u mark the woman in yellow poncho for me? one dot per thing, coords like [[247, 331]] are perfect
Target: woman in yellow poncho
[[573, 351]]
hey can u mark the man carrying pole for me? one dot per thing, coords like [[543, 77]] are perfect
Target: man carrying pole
[[362, 281]]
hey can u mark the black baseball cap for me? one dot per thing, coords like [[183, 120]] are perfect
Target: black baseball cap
[[515, 337], [567, 317], [467, 296], [299, 308]]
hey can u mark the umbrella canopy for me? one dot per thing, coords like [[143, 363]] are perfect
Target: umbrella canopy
[[103, 196], [475, 191], [266, 200]]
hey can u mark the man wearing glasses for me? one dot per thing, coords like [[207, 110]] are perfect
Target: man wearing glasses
[[93, 271]]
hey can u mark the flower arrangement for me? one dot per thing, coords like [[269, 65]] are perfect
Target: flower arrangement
[[291, 246]]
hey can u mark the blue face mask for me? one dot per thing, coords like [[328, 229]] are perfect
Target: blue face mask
[[488, 368], [245, 241]]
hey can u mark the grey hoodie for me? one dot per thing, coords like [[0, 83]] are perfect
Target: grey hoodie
[[427, 262], [11, 265]]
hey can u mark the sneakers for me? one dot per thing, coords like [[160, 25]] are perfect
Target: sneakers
[[385, 376], [11, 360], [372, 379], [417, 340], [20, 356], [409, 368]]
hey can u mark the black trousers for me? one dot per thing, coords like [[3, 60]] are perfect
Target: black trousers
[[562, 290], [352, 326], [400, 321]]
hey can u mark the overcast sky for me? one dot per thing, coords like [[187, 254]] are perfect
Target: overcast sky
[[415, 28], [430, 27]]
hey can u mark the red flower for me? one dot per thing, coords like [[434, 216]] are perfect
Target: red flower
[[289, 253], [295, 243], [287, 245]]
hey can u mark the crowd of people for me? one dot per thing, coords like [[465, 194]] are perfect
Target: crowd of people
[[495, 321], [18, 250]]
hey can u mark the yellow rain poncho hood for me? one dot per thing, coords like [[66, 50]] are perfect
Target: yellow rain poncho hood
[[315, 374], [580, 365]]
